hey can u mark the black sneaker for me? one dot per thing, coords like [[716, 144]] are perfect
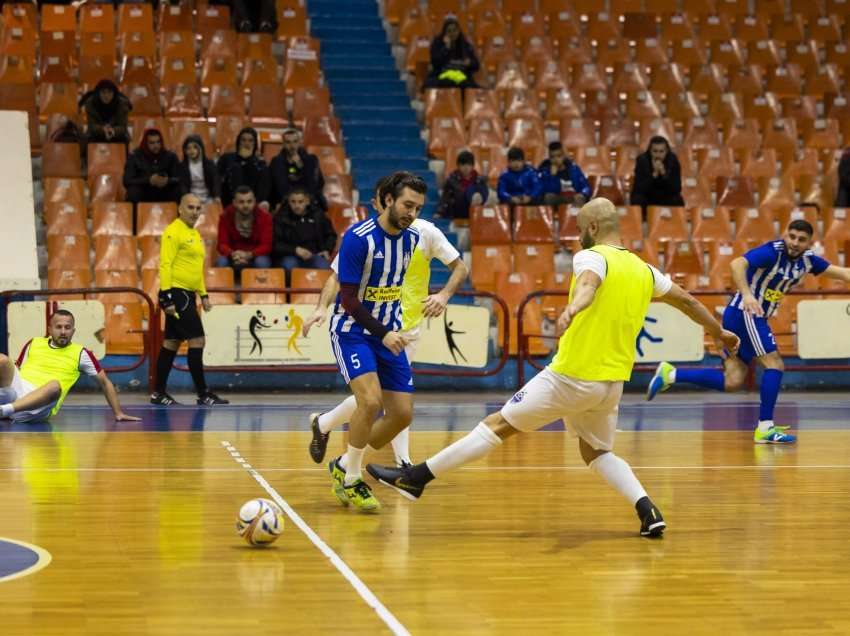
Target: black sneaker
[[651, 522], [162, 399], [211, 399], [398, 479], [319, 443]]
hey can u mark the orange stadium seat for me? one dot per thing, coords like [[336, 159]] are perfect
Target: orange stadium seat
[[181, 128], [577, 132], [300, 74], [667, 223], [68, 279], [137, 70], [136, 17], [777, 193], [602, 27], [57, 99], [264, 279], [759, 164], [755, 224], [513, 287], [483, 132], [150, 247], [804, 54], [718, 162], [106, 187], [65, 218], [124, 333], [117, 278], [490, 224], [221, 277], [183, 101], [735, 191], [682, 257], [331, 159], [343, 217], [153, 218], [496, 52], [64, 191], [338, 189], [226, 99], [447, 102], [175, 17], [227, 128], [137, 44], [522, 104], [308, 279], [56, 17], [68, 252], [594, 160], [488, 262], [714, 28], [259, 72], [268, 105], [222, 45], [177, 44], [218, 71], [115, 252], [743, 134], [145, 99], [810, 214], [836, 226], [487, 23], [526, 25], [106, 159], [212, 18], [310, 102], [563, 24], [16, 69], [618, 133], [535, 259], [20, 15], [445, 132], [61, 160], [291, 19], [533, 224], [112, 219], [478, 103], [94, 68], [322, 131], [207, 224], [98, 44], [139, 125], [568, 232]]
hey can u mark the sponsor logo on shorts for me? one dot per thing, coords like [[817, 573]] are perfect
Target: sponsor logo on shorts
[[518, 397], [382, 294]]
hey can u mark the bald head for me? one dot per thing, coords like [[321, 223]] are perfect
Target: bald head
[[190, 209], [599, 222]]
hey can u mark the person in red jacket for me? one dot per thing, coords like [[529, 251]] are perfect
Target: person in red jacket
[[244, 233]]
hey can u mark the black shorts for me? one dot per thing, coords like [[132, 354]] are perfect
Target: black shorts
[[188, 325]]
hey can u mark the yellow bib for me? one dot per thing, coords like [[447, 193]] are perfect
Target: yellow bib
[[599, 346], [414, 289], [44, 363]]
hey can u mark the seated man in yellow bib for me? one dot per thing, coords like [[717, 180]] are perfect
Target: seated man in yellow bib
[[33, 388]]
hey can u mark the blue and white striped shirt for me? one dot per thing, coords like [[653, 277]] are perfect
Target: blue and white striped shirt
[[377, 262], [772, 274]]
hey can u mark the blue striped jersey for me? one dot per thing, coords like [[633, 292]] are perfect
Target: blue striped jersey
[[772, 274], [377, 262]]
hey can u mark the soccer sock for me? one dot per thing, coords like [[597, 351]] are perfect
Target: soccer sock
[[339, 415], [6, 410], [163, 368], [771, 382], [401, 447], [353, 464], [343, 459], [480, 441], [619, 475], [195, 358], [709, 378]]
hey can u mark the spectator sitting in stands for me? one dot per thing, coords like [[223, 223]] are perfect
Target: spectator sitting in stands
[[198, 174], [245, 167], [842, 197], [453, 60], [152, 172], [295, 167], [658, 177], [107, 110], [519, 184], [561, 180], [303, 234], [244, 233], [463, 187], [254, 16]]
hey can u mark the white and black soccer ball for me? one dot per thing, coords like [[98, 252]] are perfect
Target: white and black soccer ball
[[260, 522]]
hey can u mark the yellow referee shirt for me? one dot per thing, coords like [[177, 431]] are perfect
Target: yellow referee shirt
[[181, 258]]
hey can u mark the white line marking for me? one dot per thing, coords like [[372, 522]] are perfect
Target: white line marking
[[359, 586]]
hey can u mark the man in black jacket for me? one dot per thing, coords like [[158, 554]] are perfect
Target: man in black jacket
[[151, 173], [245, 167], [303, 234], [658, 176], [295, 167]]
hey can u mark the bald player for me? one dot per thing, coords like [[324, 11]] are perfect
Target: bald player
[[609, 297]]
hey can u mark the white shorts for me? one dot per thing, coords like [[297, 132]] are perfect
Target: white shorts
[[413, 341], [21, 388], [589, 409]]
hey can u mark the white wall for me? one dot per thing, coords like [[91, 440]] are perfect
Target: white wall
[[18, 257]]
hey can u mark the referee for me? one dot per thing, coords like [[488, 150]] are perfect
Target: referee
[[181, 275]]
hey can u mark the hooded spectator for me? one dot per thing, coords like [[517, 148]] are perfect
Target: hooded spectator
[[658, 176], [303, 234], [107, 110], [463, 187], [519, 184], [245, 167], [453, 60], [561, 180], [198, 174], [152, 172], [244, 233], [293, 168]]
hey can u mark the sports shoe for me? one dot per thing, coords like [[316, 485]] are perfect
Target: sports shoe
[[338, 474], [162, 399], [651, 522], [660, 382], [208, 398], [319, 443], [398, 479], [360, 496], [774, 435]]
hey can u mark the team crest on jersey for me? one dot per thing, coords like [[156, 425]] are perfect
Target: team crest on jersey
[[518, 397], [406, 260]]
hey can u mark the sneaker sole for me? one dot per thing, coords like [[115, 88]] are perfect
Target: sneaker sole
[[654, 530], [767, 441]]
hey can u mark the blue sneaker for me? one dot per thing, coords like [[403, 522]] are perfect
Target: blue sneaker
[[661, 381], [774, 435]]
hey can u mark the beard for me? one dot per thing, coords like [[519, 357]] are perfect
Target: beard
[[586, 241], [396, 220]]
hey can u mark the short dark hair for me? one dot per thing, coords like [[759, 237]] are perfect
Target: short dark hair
[[801, 225], [63, 312], [555, 145], [401, 180], [465, 158], [243, 189], [516, 154], [298, 190]]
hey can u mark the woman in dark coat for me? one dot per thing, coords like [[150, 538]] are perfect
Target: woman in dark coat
[[107, 110], [453, 60], [658, 176], [245, 167]]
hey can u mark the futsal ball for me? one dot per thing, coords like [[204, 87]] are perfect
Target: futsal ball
[[260, 522]]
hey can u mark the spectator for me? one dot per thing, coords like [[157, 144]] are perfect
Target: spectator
[[254, 16], [244, 167], [519, 184], [295, 167], [152, 172], [244, 233], [453, 60], [842, 198], [107, 110], [303, 234], [198, 174], [658, 177], [463, 187], [561, 180]]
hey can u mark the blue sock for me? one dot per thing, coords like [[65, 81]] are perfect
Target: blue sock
[[771, 382], [709, 378]]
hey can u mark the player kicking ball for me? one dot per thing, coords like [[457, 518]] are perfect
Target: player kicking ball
[[609, 297], [763, 276]]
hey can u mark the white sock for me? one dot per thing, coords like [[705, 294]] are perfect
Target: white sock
[[480, 441], [401, 447], [343, 460], [339, 415], [619, 474], [6, 410], [672, 377], [353, 464], [765, 425]]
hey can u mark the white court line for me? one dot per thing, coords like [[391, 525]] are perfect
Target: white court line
[[359, 586]]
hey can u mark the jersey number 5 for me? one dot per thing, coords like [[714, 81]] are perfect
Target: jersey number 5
[[355, 361]]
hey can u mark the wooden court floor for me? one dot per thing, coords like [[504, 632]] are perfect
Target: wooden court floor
[[140, 527]]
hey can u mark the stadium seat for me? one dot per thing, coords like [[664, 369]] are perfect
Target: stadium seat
[[20, 15], [594, 160], [755, 224], [718, 162], [138, 126], [226, 130], [513, 287], [660, 126], [533, 224], [759, 165], [763, 53], [68, 252], [735, 191], [57, 99], [291, 19], [265, 279], [268, 105], [568, 232], [343, 217], [683, 106], [603, 27], [137, 44], [483, 131], [174, 17], [339, 189], [447, 102], [138, 70], [804, 54], [222, 45], [609, 186], [809, 213], [752, 28], [837, 227], [226, 100], [183, 101], [667, 79], [177, 44], [550, 77], [711, 224], [259, 72], [115, 252], [618, 133], [535, 259], [149, 247], [106, 159], [495, 53], [777, 194], [218, 71], [94, 68], [124, 333], [60, 190], [322, 131], [522, 105], [68, 279], [715, 28], [106, 187], [787, 27], [135, 17], [307, 279], [701, 133], [417, 58], [488, 261], [526, 25], [331, 159], [212, 18], [666, 223], [220, 277], [826, 28], [65, 219], [478, 104], [689, 52], [300, 74], [61, 160], [720, 256], [743, 134], [511, 76], [117, 278], [577, 132], [563, 24], [112, 219], [682, 257], [145, 100], [444, 132], [153, 218], [490, 225]]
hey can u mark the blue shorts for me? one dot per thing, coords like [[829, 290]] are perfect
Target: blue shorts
[[357, 354], [755, 334]]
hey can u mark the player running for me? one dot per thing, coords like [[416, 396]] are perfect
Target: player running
[[609, 297], [763, 276], [416, 305]]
